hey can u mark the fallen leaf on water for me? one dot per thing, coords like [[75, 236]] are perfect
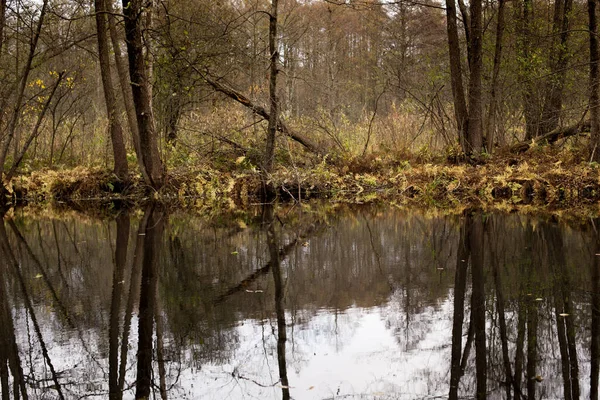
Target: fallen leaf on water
[[38, 276], [234, 252]]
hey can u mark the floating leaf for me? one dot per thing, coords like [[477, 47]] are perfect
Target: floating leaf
[[234, 252], [38, 276]]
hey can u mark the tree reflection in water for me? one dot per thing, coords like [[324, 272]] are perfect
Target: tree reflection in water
[[373, 303]]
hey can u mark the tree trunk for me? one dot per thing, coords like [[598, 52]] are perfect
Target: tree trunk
[[123, 74], [558, 69], [7, 139], [475, 124], [140, 87], [530, 101], [259, 110], [491, 120], [594, 83], [273, 101], [114, 124], [458, 93]]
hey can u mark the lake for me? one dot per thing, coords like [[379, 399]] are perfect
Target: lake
[[300, 302]]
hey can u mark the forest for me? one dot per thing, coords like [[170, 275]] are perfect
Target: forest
[[298, 98]]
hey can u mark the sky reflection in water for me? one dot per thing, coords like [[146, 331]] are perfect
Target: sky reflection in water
[[367, 305]]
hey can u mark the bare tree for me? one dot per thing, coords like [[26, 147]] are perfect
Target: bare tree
[[141, 88]]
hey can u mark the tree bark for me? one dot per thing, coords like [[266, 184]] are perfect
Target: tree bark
[[141, 90], [491, 120], [273, 101], [530, 101], [123, 74], [558, 69], [475, 124], [458, 93], [114, 124], [594, 84]]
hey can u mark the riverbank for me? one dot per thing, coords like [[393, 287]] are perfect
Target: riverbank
[[545, 180]]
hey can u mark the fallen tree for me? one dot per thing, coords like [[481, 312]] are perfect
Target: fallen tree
[[259, 110], [552, 136]]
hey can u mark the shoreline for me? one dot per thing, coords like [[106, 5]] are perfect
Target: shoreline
[[499, 184]]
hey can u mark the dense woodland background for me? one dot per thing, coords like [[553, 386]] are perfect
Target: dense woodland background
[[162, 85]]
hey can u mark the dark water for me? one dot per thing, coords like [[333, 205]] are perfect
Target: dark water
[[373, 303]]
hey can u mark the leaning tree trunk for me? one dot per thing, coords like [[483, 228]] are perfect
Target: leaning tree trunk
[[141, 90], [116, 131], [594, 83]]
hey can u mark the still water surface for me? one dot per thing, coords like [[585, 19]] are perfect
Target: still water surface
[[370, 303]]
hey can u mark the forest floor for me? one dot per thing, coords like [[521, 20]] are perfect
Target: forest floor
[[552, 180]]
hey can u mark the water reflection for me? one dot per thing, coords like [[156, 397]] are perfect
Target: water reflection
[[368, 303]]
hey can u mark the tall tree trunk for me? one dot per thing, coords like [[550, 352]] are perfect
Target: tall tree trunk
[[273, 101], [491, 120], [475, 124], [141, 90], [558, 69], [458, 93], [123, 74], [114, 124], [530, 100], [594, 84]]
